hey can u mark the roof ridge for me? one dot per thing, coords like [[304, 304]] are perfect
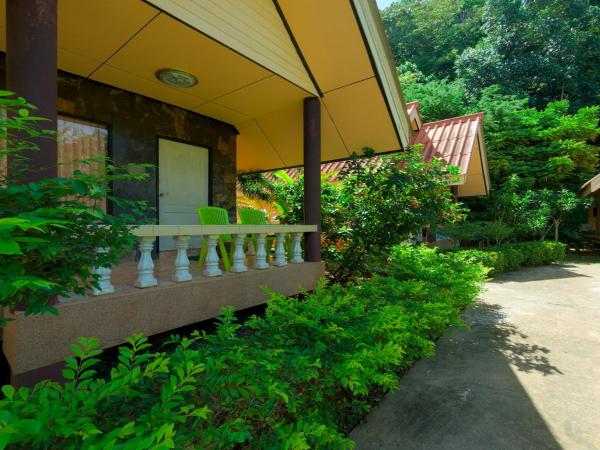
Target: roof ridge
[[453, 119]]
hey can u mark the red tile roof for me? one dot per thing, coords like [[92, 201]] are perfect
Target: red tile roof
[[452, 140]]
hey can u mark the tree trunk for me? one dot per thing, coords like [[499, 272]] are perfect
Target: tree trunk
[[556, 224]]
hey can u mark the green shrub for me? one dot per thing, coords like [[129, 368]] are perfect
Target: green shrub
[[508, 257], [299, 377], [481, 231], [50, 228]]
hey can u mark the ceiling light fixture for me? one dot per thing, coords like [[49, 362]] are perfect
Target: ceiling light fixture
[[176, 78]]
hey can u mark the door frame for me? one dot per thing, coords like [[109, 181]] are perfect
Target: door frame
[[156, 184]]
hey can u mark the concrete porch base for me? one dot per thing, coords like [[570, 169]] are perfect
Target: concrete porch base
[[38, 342]]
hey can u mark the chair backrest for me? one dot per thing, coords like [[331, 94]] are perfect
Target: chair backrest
[[250, 216], [211, 215]]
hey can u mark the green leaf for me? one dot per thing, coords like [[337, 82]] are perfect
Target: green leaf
[[9, 247], [8, 391]]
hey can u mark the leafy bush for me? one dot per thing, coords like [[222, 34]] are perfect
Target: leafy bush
[[50, 229], [386, 200], [300, 377], [508, 257]]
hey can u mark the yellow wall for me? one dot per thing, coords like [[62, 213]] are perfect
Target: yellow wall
[[474, 183]]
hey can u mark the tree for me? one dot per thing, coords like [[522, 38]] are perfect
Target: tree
[[544, 49], [560, 205], [551, 147], [432, 33], [439, 99]]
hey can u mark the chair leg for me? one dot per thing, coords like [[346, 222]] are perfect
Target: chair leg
[[231, 250], [224, 256], [203, 252]]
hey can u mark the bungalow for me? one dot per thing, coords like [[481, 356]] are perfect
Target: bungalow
[[201, 90]]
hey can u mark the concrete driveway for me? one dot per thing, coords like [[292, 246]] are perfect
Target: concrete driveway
[[526, 375]]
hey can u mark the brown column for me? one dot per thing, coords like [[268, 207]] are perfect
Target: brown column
[[312, 177], [31, 70]]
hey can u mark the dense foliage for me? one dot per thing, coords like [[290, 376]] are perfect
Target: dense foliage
[[537, 158], [50, 229], [300, 377], [508, 257], [533, 69], [377, 203], [544, 50], [432, 34]]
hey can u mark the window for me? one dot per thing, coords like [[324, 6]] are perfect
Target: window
[[80, 140]]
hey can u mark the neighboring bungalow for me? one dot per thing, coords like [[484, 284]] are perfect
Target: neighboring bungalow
[[458, 141], [202, 90], [591, 189]]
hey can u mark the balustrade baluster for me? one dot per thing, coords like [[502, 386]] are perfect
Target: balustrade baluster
[[104, 273], [211, 264], [145, 265], [261, 253], [296, 249], [239, 264], [182, 263], [280, 257]]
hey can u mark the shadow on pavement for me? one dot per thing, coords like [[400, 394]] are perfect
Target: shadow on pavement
[[467, 396], [542, 273]]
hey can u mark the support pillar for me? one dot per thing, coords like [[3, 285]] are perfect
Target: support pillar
[[31, 71], [312, 177]]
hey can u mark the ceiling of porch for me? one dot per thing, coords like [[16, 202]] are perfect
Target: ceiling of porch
[[123, 43]]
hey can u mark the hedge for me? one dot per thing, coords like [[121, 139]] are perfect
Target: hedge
[[508, 257], [300, 377]]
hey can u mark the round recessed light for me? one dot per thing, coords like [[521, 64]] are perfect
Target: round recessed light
[[176, 78]]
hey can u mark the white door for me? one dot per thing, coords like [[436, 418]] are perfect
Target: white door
[[182, 186]]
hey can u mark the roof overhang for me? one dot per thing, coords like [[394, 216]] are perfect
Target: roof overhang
[[413, 109], [590, 187], [255, 60]]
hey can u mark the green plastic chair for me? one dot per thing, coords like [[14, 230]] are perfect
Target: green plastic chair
[[211, 215], [250, 216]]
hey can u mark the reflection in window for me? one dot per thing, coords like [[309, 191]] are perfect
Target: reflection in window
[[79, 141]]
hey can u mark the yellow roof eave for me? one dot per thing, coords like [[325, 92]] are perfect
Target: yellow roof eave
[[371, 26]]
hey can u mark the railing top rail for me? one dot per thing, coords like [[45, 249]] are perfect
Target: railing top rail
[[204, 230]]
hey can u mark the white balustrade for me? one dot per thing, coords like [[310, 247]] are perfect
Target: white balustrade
[[211, 264], [239, 264], [104, 284], [296, 249], [145, 265], [280, 257], [255, 256], [261, 252], [182, 263]]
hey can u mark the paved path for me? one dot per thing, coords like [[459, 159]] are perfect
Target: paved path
[[526, 375]]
